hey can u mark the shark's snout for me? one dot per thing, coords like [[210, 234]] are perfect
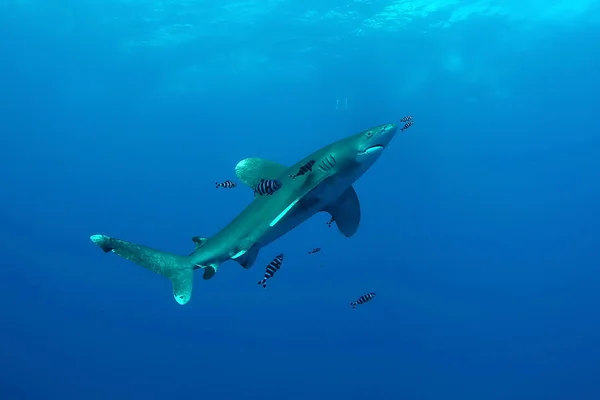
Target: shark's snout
[[372, 142], [386, 134], [376, 139]]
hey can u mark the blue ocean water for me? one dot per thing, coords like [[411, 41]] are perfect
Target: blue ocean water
[[480, 223]]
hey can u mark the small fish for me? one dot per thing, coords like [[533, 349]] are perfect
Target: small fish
[[226, 184], [407, 118], [407, 125], [330, 222], [363, 299], [273, 267], [267, 187], [304, 169], [315, 250]]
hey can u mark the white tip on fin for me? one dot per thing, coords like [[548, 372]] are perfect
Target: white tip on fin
[[252, 170], [102, 241], [183, 281], [98, 238]]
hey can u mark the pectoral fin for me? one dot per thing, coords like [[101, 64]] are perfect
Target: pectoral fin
[[252, 170], [346, 212], [209, 271]]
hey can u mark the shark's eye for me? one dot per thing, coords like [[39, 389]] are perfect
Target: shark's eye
[[369, 134]]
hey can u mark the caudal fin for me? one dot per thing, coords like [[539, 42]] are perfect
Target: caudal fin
[[178, 269]]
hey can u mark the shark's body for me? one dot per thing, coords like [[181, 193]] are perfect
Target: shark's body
[[327, 188]]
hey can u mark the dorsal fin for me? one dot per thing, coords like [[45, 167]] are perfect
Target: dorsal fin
[[252, 170], [346, 212], [199, 240]]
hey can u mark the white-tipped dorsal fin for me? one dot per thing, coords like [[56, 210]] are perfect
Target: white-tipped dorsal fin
[[252, 170], [346, 212]]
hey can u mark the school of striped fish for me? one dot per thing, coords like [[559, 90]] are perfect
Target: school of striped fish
[[267, 187]]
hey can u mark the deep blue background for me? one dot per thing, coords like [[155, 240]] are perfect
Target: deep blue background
[[480, 223]]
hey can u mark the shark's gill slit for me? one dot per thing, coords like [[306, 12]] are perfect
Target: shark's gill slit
[[327, 163]]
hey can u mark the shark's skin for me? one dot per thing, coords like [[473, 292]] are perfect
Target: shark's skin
[[327, 188]]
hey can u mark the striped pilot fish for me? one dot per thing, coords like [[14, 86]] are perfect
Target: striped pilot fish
[[406, 126], [363, 299], [273, 267], [226, 184], [304, 169], [267, 187], [407, 118]]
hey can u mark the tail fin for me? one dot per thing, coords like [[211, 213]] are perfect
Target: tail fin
[[177, 268]]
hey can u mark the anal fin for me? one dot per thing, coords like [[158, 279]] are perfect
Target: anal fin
[[346, 212], [209, 272]]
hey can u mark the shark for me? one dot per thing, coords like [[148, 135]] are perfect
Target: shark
[[327, 188]]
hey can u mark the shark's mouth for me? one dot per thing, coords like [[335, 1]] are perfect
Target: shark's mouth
[[373, 149]]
